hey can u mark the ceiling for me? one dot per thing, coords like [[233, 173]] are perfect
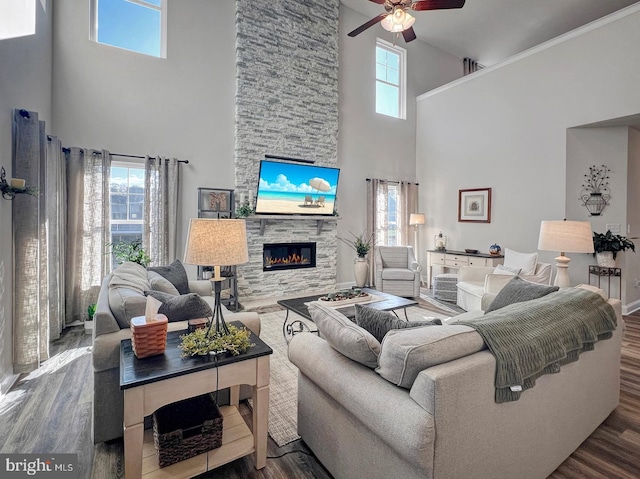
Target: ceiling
[[489, 31]]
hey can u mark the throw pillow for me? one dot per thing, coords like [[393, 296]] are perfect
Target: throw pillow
[[518, 290], [525, 261], [379, 323], [502, 269], [345, 336], [160, 283], [404, 353], [183, 307], [176, 274]]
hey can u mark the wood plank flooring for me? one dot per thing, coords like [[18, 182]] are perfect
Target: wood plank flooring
[[50, 411]]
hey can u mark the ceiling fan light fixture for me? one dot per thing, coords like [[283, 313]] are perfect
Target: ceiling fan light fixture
[[398, 21]]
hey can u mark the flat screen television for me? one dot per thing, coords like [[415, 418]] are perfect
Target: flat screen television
[[296, 189]]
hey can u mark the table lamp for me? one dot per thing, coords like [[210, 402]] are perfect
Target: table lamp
[[217, 242], [566, 237]]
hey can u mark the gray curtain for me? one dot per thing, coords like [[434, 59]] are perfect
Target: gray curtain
[[30, 300], [375, 190], [88, 231], [471, 66], [161, 209], [407, 204]]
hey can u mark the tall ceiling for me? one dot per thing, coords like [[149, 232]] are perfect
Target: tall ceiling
[[489, 31]]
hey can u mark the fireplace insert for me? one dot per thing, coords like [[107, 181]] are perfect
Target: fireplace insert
[[279, 256]]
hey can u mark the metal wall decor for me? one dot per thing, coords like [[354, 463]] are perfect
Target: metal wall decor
[[595, 190]]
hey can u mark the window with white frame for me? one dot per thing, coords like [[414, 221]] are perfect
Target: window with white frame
[[126, 202], [391, 83], [136, 25], [388, 202]]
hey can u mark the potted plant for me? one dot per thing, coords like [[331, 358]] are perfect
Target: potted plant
[[133, 252], [361, 244], [606, 247]]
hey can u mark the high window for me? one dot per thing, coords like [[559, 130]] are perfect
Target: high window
[[390, 79], [127, 202], [136, 25]]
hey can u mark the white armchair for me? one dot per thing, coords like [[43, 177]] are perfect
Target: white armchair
[[474, 283], [397, 271]]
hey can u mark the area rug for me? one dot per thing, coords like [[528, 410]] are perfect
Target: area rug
[[283, 388]]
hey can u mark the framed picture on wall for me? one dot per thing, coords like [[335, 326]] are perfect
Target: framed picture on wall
[[474, 205]]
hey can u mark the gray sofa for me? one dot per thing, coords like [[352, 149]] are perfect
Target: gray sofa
[[117, 304], [447, 425]]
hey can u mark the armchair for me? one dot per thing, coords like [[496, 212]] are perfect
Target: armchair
[[397, 271], [474, 283]]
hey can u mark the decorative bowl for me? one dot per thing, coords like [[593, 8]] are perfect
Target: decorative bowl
[[471, 251]]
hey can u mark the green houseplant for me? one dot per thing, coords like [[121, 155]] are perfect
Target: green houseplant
[[361, 244], [606, 247], [133, 252]]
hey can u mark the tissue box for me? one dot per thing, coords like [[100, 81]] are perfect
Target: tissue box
[[148, 338]]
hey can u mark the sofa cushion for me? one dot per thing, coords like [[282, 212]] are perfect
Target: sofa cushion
[[402, 274], [183, 307], [406, 352], [176, 274], [518, 290], [160, 283], [345, 336], [379, 323], [526, 262], [130, 275], [126, 303], [502, 269]]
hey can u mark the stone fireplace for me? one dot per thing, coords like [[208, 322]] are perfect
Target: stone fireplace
[[279, 256]]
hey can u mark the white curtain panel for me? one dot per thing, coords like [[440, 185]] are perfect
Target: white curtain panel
[[161, 209], [55, 207], [88, 231], [376, 198], [407, 204]]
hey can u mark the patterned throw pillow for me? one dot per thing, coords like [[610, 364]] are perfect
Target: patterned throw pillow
[[175, 273], [518, 290], [183, 307], [379, 323]]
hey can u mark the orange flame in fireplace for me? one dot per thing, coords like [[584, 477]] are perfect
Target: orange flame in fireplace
[[291, 259]]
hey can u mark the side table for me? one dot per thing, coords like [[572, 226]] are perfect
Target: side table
[[603, 271], [153, 382]]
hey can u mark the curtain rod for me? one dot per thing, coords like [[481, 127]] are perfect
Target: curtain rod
[[394, 181], [142, 157]]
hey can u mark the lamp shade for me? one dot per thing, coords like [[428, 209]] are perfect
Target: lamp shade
[[216, 242], [416, 219], [566, 236]]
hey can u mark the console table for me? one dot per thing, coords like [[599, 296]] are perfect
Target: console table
[[450, 259], [603, 271]]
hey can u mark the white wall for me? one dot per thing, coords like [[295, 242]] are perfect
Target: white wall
[[506, 128], [372, 145], [25, 82], [181, 106]]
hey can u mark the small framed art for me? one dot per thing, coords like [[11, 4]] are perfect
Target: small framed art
[[474, 205]]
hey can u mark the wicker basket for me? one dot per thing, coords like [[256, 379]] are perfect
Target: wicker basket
[[186, 428], [148, 339]]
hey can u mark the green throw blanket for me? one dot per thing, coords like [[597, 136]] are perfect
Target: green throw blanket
[[549, 332]]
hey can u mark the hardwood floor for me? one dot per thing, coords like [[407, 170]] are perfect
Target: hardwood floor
[[50, 411]]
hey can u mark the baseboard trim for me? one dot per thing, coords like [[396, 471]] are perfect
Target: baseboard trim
[[631, 307]]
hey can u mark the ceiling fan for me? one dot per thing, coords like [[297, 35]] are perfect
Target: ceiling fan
[[397, 19]]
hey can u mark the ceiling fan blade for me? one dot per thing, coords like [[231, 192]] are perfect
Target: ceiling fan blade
[[436, 4], [379, 2], [369, 24], [409, 35]]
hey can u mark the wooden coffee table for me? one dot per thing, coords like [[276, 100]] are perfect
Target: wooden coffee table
[[387, 302], [153, 382]]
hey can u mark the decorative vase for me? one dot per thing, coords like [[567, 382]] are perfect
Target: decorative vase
[[495, 249], [361, 271], [605, 259]]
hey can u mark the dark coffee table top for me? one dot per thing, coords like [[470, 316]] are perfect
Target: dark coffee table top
[[388, 302], [136, 372]]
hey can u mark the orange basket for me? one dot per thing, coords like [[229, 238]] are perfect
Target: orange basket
[[149, 338]]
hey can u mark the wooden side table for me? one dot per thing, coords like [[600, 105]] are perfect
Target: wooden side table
[[603, 271], [153, 382]]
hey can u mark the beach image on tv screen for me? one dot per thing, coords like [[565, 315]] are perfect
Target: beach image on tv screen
[[286, 188]]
